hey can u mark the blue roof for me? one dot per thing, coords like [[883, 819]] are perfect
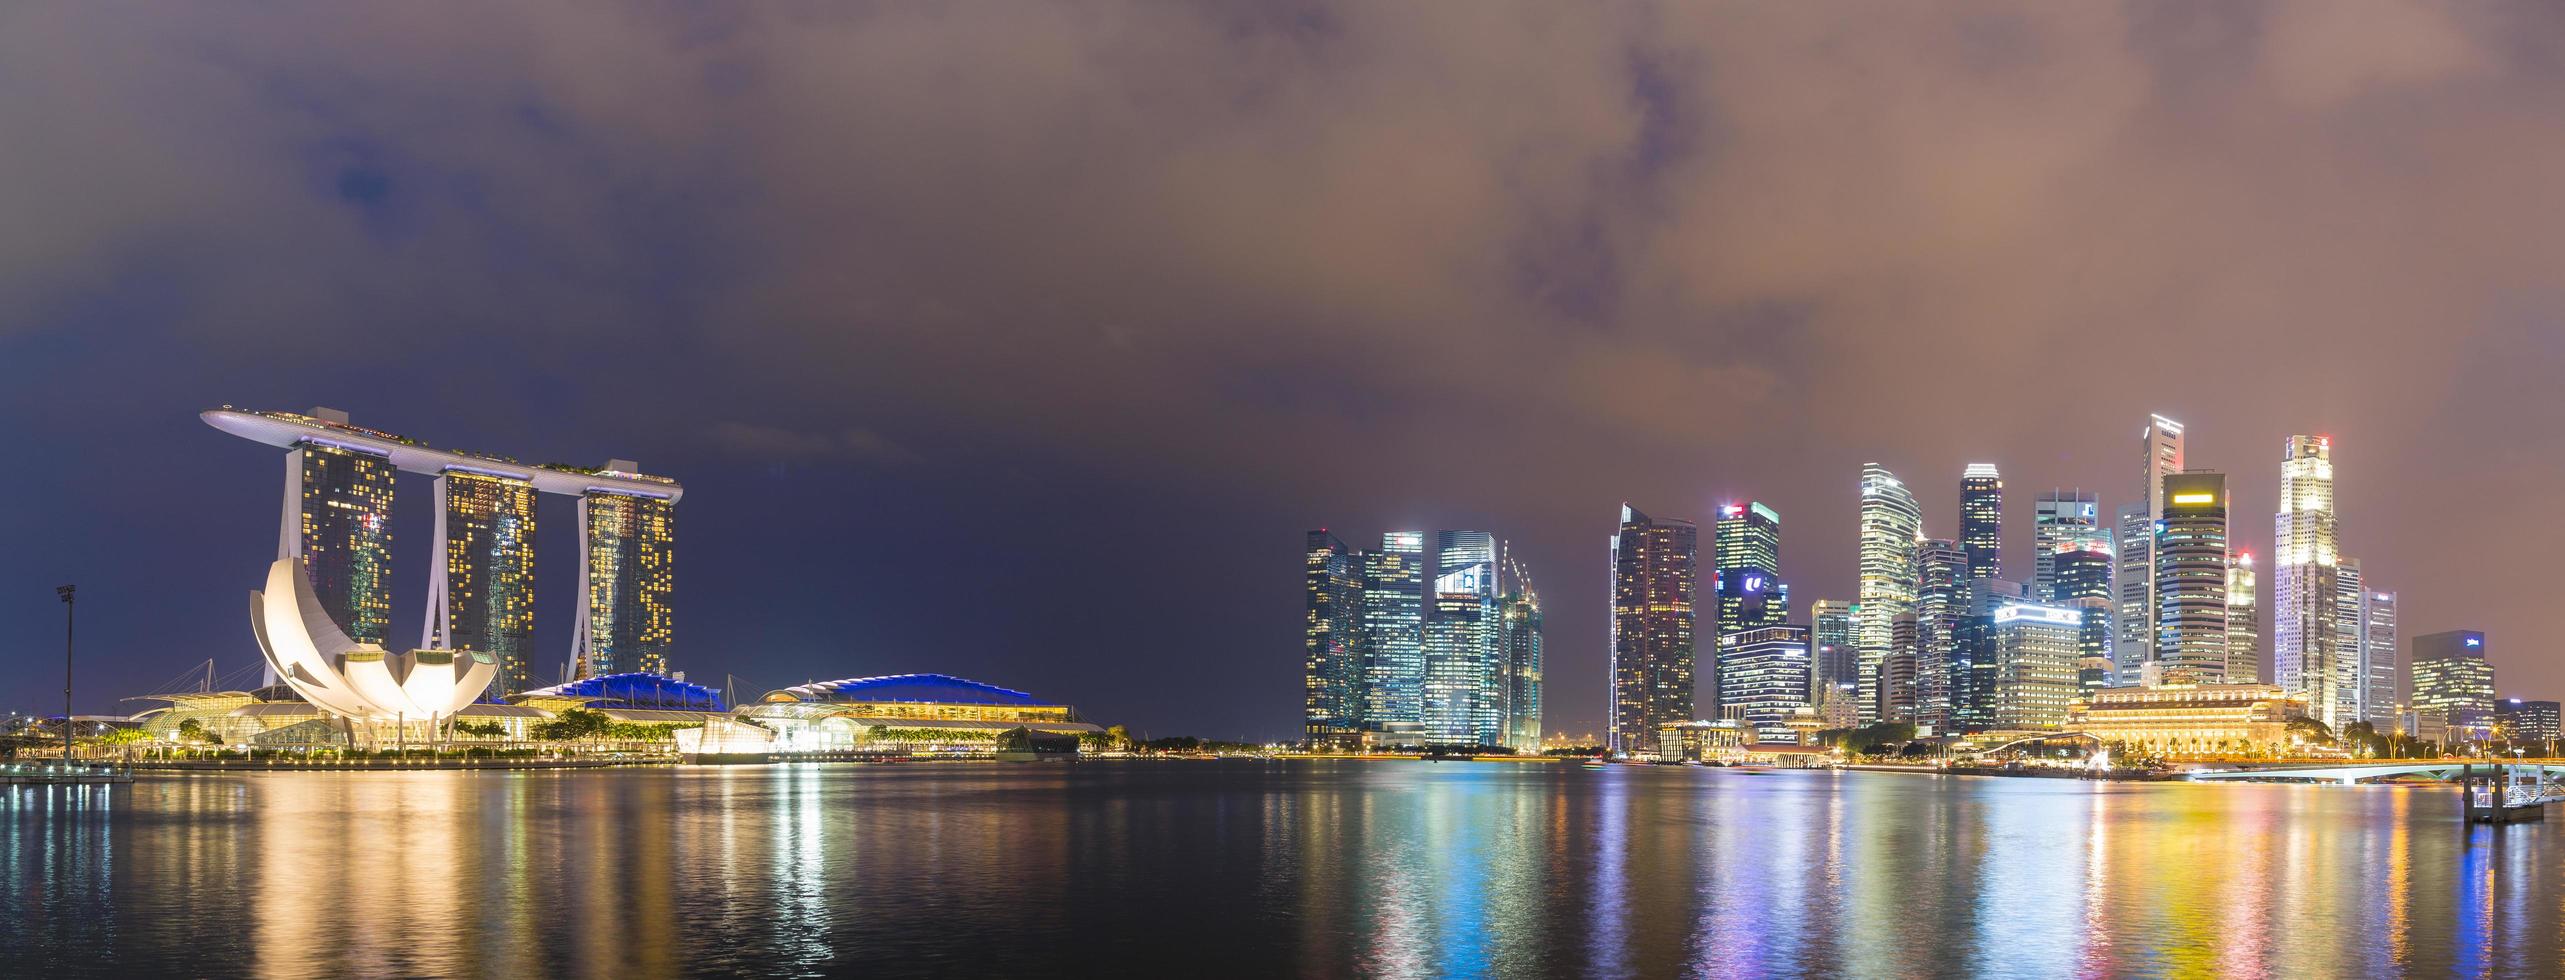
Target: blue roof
[[634, 690], [944, 688]]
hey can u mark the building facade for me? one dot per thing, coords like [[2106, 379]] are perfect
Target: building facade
[[2527, 721], [2161, 446], [1522, 671], [1981, 520], [2081, 580], [2379, 670], [2062, 521], [339, 522], [2244, 622], [1763, 678], [1332, 643], [2313, 649], [1942, 576], [482, 598], [2038, 650], [1890, 524], [630, 580], [1655, 583], [2191, 579], [1837, 657], [1746, 544], [1394, 638], [2191, 721], [2453, 684]]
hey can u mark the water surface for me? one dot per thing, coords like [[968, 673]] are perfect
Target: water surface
[[1202, 869]]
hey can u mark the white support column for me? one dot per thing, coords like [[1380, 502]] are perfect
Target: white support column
[[436, 632]]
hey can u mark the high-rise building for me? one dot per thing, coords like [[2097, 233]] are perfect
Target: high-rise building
[[1890, 525], [1522, 664], [1941, 590], [340, 525], [482, 596], [1655, 581], [2063, 520], [2140, 608], [1981, 520], [2244, 622], [2453, 683], [2036, 651], [1763, 678], [2527, 721], [1332, 632], [2191, 579], [1394, 638], [1894, 691], [1836, 660], [2378, 669], [1746, 544], [2351, 639], [2081, 580], [1464, 659], [2312, 647], [629, 579]]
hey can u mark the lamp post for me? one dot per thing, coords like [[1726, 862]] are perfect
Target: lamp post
[[67, 608]]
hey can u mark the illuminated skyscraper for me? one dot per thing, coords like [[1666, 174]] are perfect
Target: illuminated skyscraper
[[339, 522], [1894, 690], [2037, 647], [2244, 622], [629, 580], [1394, 634], [2082, 582], [1464, 659], [2191, 579], [1655, 581], [1763, 678], [2378, 668], [1981, 520], [2161, 445], [1941, 576], [2313, 645], [1837, 658], [1332, 632], [2063, 520], [1522, 659], [482, 596], [1890, 525], [2453, 683], [1746, 544]]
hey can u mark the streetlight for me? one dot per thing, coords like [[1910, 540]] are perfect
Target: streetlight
[[67, 608]]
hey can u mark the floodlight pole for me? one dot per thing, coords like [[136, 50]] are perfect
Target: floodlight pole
[[68, 607]]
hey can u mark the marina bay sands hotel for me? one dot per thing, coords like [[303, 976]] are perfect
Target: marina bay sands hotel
[[338, 508]]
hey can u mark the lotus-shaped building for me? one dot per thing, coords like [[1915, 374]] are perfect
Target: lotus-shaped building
[[356, 681]]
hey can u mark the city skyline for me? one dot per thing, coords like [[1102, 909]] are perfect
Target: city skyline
[[1210, 278]]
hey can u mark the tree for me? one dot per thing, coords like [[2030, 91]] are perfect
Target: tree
[[2310, 731], [192, 730], [485, 729], [573, 724]]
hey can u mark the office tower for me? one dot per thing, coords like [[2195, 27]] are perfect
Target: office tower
[[1457, 639], [1973, 655], [1394, 638], [1746, 545], [1894, 690], [2345, 679], [1890, 524], [483, 596], [2036, 651], [1655, 579], [2312, 647], [1941, 575], [2140, 608], [1981, 520], [1522, 657], [1332, 630], [2191, 579], [2063, 520], [2081, 580], [1836, 660], [338, 520], [1763, 678], [2378, 673], [2453, 683], [1464, 656], [2528, 721], [2244, 622], [629, 580]]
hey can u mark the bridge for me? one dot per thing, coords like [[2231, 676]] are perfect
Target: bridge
[[2522, 784]]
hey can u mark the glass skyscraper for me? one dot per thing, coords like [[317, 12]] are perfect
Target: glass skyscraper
[[1890, 524], [2378, 695], [1332, 633], [1836, 660], [1522, 659], [483, 597], [630, 581], [2063, 520], [1465, 685], [2453, 683], [2037, 647], [1746, 544], [2191, 579], [2244, 622], [2081, 580], [2314, 615], [1655, 582], [343, 533], [1394, 628], [1941, 591], [1981, 520], [1763, 678], [2161, 445]]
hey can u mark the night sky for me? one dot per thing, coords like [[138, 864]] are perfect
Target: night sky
[[1023, 340]]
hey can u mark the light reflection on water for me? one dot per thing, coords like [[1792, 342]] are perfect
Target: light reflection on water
[[1241, 868]]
